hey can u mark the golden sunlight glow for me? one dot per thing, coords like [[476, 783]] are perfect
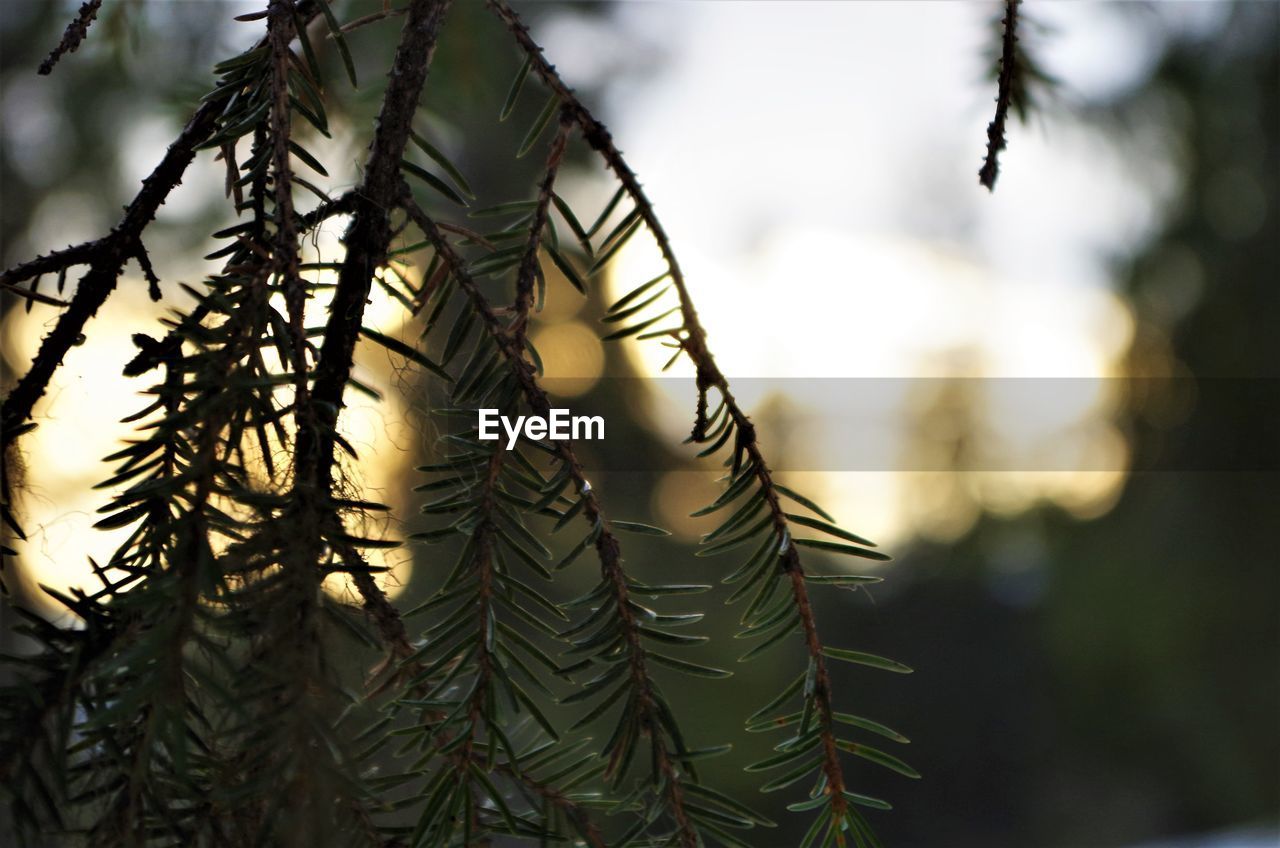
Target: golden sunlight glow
[[62, 457], [88, 397], [980, 392], [572, 357]]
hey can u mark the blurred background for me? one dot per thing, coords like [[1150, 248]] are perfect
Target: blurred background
[[1085, 579]]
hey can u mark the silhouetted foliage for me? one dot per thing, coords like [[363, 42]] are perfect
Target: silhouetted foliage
[[198, 701]]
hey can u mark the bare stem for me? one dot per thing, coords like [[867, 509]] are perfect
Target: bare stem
[[1004, 96], [72, 36]]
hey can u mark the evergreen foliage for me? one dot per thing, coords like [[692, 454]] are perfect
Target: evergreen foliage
[[197, 702]]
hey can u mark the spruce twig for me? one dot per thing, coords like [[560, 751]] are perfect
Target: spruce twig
[[1007, 82], [72, 36]]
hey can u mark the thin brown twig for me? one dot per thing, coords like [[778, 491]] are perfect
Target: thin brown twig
[[57, 260], [1009, 70], [528, 270], [72, 35], [109, 255], [467, 233], [343, 204], [378, 606]]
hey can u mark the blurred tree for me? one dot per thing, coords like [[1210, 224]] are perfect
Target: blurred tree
[[1184, 671], [1110, 681]]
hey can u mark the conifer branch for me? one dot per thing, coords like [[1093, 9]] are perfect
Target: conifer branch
[[482, 537], [1006, 87], [25, 719], [393, 633], [106, 258], [413, 668], [72, 36], [578, 814], [367, 241], [608, 548], [255, 609], [280, 33], [106, 635], [528, 269], [368, 238], [57, 260], [598, 138], [747, 455], [377, 605]]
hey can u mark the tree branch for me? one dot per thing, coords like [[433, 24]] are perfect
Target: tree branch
[[106, 258], [692, 339], [58, 260], [1004, 96], [285, 250], [608, 548], [527, 272], [72, 36], [367, 240]]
